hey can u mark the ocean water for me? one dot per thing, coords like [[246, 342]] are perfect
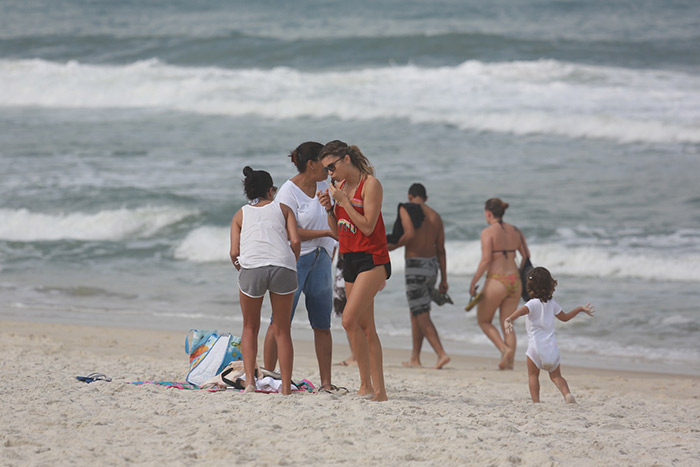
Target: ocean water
[[124, 127]]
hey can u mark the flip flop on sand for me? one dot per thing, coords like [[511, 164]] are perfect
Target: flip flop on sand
[[333, 389], [94, 377]]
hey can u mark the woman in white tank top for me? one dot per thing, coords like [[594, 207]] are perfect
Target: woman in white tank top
[[265, 246]]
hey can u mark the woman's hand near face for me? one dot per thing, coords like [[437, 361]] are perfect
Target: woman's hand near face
[[325, 199], [339, 196]]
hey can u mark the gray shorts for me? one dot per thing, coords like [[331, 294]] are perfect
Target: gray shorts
[[255, 282]]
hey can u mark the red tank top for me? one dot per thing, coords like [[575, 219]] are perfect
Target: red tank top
[[351, 239]]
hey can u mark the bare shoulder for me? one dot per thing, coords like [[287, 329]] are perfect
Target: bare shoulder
[[372, 185], [373, 182], [431, 214], [512, 229]]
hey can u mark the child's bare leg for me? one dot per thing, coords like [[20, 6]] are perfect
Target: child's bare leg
[[561, 384], [533, 374]]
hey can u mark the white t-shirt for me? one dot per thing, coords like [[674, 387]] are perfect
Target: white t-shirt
[[539, 322], [309, 213], [264, 240]]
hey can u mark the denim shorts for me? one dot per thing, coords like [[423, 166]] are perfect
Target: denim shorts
[[316, 281], [276, 279], [355, 263]]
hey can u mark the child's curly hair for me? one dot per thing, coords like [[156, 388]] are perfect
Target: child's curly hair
[[540, 284]]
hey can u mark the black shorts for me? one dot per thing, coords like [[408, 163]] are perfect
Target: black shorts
[[355, 263]]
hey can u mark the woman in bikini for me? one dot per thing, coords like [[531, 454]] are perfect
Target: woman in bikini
[[356, 219], [499, 242]]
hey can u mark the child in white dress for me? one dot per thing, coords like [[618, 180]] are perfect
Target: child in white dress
[[542, 351]]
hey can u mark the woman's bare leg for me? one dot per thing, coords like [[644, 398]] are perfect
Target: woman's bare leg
[[358, 321], [509, 305], [494, 292], [270, 350], [281, 328], [358, 343], [250, 307]]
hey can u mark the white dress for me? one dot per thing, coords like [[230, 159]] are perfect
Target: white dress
[[542, 344]]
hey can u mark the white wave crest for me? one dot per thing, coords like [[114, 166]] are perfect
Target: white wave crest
[[23, 225], [211, 244], [546, 96], [205, 245]]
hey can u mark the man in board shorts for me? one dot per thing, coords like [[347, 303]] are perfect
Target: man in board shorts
[[424, 239]]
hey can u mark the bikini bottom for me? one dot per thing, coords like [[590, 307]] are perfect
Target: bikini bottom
[[510, 281]]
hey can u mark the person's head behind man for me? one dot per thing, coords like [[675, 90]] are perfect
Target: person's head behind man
[[417, 190]]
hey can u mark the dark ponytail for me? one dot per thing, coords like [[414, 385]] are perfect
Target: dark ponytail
[[305, 152], [256, 183]]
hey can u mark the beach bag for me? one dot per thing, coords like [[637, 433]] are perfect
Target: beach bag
[[524, 270], [210, 352]]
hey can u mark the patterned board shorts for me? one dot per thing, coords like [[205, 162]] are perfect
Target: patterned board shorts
[[421, 276]]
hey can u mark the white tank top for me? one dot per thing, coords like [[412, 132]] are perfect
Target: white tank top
[[264, 239]]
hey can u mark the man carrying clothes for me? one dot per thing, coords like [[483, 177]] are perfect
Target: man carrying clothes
[[420, 229]]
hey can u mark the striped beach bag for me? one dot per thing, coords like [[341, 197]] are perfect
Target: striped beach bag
[[210, 352]]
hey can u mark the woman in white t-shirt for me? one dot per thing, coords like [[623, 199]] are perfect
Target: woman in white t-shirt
[[315, 260], [542, 351], [264, 248]]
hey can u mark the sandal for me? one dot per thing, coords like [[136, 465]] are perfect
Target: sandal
[[94, 377], [334, 390]]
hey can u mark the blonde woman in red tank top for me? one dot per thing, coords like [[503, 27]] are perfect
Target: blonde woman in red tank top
[[356, 219]]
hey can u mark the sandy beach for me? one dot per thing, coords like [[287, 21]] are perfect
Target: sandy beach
[[468, 413]]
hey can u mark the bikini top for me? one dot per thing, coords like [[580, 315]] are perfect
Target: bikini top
[[505, 252]]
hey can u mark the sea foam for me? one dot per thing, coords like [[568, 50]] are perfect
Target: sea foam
[[108, 225], [537, 97], [211, 244]]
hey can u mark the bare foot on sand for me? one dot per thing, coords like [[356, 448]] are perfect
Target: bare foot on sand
[[250, 388], [569, 398], [380, 398], [507, 359], [412, 364], [442, 362], [367, 392]]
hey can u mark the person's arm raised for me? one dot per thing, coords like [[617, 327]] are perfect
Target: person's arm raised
[[508, 322], [587, 308]]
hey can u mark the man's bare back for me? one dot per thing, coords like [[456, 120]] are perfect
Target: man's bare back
[[426, 239]]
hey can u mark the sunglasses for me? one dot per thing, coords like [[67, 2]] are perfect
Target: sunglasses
[[331, 167]]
